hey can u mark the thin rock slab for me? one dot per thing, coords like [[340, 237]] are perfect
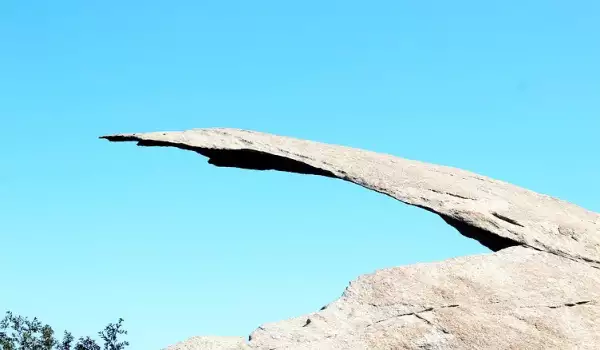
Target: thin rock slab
[[495, 213]]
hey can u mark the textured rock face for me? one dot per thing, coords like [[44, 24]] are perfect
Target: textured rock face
[[517, 298], [540, 290], [211, 343]]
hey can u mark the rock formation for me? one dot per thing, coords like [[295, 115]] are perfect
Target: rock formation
[[539, 290]]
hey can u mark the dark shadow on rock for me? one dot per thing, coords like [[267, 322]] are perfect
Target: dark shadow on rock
[[242, 158], [486, 238]]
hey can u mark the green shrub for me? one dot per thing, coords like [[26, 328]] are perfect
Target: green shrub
[[20, 333]]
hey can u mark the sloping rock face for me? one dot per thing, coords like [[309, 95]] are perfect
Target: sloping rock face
[[211, 343], [517, 298], [540, 290]]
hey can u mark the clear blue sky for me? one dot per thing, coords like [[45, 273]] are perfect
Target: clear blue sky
[[92, 231]]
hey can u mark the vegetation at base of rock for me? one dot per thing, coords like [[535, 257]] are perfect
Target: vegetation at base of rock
[[20, 333]]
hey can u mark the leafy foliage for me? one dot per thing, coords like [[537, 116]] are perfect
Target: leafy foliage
[[20, 333]]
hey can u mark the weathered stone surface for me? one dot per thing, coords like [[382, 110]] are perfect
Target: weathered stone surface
[[211, 343], [518, 298], [540, 290]]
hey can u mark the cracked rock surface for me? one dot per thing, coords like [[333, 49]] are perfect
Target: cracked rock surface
[[211, 343], [539, 290], [517, 298]]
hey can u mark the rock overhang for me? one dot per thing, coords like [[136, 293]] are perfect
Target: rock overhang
[[493, 212]]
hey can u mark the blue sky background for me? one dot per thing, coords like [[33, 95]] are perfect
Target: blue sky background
[[92, 231]]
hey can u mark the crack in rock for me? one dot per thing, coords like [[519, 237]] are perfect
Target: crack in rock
[[452, 194], [418, 315], [436, 326], [415, 313], [507, 219], [571, 304], [431, 309]]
